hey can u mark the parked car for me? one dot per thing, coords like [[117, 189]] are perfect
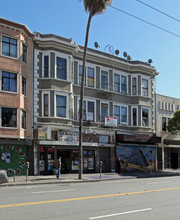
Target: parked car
[[3, 176]]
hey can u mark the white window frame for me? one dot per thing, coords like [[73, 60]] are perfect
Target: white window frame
[[136, 77], [90, 65], [148, 108], [104, 70], [148, 79], [103, 102], [42, 98], [67, 104], [1, 82], [21, 119], [125, 75], [16, 58], [124, 123], [64, 56], [87, 100], [117, 104], [134, 107], [119, 82], [1, 118], [43, 55]]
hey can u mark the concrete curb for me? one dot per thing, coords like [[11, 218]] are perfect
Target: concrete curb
[[85, 180]]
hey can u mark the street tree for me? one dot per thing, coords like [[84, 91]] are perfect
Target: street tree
[[93, 7], [174, 123]]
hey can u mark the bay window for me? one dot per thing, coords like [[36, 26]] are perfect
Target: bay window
[[61, 68]]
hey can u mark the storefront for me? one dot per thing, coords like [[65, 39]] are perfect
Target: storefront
[[69, 159], [169, 154], [137, 152]]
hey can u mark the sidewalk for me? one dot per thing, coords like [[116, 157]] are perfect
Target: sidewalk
[[73, 178]]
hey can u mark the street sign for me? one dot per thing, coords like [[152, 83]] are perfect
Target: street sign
[[110, 121]]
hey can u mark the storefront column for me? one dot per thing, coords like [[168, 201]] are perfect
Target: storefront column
[[163, 158], [113, 159], [97, 160]]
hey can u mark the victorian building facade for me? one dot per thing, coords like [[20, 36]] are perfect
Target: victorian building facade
[[16, 97], [118, 109]]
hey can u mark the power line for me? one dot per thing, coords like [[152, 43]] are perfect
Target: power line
[[147, 22], [159, 11]]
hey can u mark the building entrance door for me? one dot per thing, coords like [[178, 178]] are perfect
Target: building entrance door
[[65, 160], [174, 158]]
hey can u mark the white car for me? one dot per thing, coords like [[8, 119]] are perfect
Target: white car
[[3, 176]]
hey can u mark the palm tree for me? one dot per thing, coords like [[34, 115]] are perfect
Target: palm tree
[[93, 7]]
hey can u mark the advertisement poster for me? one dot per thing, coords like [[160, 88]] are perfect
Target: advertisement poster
[[75, 164], [13, 158], [133, 158]]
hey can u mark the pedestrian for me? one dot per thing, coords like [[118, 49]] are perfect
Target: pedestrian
[[58, 166], [118, 165]]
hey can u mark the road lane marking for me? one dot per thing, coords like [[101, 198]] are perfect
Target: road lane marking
[[90, 197], [63, 190], [121, 213]]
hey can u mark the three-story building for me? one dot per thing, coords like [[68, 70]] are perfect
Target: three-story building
[[118, 108]]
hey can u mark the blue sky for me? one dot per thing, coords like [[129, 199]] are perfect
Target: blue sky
[[141, 41]]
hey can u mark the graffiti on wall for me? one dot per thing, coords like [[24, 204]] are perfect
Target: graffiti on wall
[[134, 158], [13, 158]]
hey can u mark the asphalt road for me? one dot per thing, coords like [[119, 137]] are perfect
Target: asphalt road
[[150, 198]]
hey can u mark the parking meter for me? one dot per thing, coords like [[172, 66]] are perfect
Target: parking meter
[[27, 171]]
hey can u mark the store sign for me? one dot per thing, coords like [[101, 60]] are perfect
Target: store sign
[[44, 133], [68, 138], [138, 138], [110, 121]]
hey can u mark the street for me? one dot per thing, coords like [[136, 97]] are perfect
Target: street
[[149, 198]]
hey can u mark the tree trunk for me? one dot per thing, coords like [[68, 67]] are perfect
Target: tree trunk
[[81, 99]]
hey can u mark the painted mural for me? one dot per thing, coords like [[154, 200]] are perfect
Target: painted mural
[[13, 157], [133, 158]]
